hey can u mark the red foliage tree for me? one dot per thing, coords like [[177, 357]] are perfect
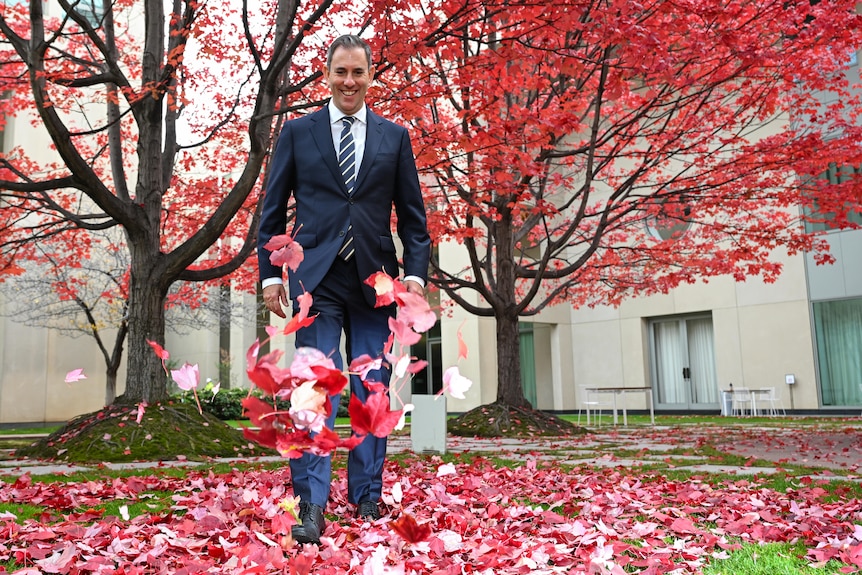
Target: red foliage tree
[[160, 119], [584, 152]]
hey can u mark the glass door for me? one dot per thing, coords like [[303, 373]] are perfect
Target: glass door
[[683, 363]]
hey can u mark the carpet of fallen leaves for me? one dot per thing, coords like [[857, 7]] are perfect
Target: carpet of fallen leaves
[[538, 517]]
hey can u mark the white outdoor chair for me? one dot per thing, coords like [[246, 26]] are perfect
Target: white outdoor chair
[[591, 402], [774, 401], [741, 401]]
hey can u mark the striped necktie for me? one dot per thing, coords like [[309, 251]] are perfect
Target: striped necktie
[[347, 164]]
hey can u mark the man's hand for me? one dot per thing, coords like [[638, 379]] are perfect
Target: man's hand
[[414, 287], [275, 299]]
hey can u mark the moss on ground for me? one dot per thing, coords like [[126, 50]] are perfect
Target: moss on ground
[[500, 420], [166, 431]]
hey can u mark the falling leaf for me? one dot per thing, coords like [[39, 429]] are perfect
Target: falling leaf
[[161, 352], [187, 377], [402, 421], [385, 288], [455, 383], [301, 319], [462, 347], [364, 364], [414, 310], [285, 251], [403, 332], [374, 416], [75, 375]]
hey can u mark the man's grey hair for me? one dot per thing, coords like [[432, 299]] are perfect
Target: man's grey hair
[[350, 42]]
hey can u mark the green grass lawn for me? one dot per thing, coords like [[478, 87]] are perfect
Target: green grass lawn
[[770, 559]]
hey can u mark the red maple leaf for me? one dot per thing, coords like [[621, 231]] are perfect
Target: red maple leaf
[[285, 251], [259, 412], [161, 352], [332, 380], [409, 530], [374, 416], [328, 441], [267, 375], [386, 288], [301, 319]]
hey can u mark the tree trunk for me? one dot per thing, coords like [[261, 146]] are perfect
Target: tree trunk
[[113, 364], [146, 379], [509, 390], [110, 386]]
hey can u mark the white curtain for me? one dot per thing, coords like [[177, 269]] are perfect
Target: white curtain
[[838, 326], [669, 362], [702, 361]]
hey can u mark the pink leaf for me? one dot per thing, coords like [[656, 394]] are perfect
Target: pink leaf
[[140, 414], [187, 377], [414, 310], [364, 364], [403, 332], [58, 562], [75, 375], [285, 251]]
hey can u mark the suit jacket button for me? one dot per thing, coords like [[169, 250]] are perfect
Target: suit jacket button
[[351, 202], [340, 233]]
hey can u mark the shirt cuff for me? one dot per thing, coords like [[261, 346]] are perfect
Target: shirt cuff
[[416, 279], [271, 282]]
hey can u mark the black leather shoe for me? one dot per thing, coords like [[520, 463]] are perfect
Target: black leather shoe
[[311, 524], [368, 510]]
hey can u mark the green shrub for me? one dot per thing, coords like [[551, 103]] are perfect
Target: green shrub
[[227, 403]]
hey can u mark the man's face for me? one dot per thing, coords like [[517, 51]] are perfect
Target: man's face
[[348, 78]]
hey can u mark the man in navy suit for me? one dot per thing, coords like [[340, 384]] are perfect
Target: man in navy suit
[[346, 168]]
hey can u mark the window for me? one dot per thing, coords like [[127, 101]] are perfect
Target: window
[[429, 381], [92, 10], [838, 335], [834, 175], [528, 362], [672, 220]]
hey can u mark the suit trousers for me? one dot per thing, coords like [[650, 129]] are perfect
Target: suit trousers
[[340, 306]]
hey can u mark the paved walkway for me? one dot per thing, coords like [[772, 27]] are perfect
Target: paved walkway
[[829, 449]]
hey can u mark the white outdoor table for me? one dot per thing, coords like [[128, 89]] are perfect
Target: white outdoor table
[[621, 391], [763, 393]]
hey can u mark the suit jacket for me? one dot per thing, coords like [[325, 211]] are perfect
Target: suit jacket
[[305, 164]]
